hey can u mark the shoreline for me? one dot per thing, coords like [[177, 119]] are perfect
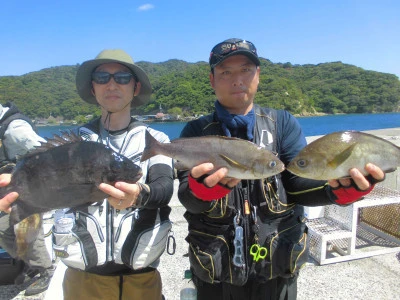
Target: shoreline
[[301, 115]]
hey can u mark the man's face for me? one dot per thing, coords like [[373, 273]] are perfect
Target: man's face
[[111, 96], [235, 83]]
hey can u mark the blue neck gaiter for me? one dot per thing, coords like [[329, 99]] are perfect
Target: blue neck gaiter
[[231, 123]]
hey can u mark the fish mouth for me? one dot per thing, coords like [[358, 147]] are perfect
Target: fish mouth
[[134, 179]]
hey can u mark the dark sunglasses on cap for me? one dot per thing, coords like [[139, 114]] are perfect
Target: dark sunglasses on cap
[[225, 48], [228, 47], [105, 77]]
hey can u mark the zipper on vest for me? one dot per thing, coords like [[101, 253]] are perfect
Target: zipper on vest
[[109, 234]]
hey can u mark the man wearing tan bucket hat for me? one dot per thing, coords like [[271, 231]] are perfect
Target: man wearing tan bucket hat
[[119, 241]]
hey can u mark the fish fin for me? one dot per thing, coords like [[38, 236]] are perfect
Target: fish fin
[[341, 157], [390, 170], [66, 137], [180, 166], [26, 233], [8, 168], [233, 163], [21, 211], [150, 148]]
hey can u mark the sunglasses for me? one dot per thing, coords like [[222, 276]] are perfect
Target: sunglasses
[[105, 77], [225, 48]]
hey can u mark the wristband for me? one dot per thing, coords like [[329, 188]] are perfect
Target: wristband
[[143, 196], [203, 192], [348, 195]]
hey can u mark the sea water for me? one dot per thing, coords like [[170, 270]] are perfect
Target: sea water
[[311, 125]]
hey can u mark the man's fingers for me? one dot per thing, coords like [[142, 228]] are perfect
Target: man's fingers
[[7, 200], [230, 182], [202, 169], [5, 179], [375, 172], [216, 177]]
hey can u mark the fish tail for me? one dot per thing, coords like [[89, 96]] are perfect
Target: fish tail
[[15, 215], [26, 233], [151, 148], [20, 211]]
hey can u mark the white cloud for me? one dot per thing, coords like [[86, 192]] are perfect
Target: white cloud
[[145, 7]]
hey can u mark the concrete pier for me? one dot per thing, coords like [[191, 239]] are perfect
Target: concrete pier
[[368, 278]]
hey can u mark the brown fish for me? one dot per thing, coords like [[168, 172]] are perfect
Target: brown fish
[[243, 159]]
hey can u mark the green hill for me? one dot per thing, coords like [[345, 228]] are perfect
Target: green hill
[[183, 88]]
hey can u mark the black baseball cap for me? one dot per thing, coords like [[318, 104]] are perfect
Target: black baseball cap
[[231, 47]]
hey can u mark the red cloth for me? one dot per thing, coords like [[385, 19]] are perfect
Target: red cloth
[[348, 195], [203, 192]]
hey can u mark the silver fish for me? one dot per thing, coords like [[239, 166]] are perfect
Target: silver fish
[[333, 155], [243, 159]]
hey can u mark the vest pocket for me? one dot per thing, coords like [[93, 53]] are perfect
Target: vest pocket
[[299, 254], [77, 248], [150, 245], [273, 199], [287, 253], [210, 258], [147, 239]]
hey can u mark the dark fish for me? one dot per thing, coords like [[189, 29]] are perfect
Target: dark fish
[[65, 172], [333, 155], [243, 159]]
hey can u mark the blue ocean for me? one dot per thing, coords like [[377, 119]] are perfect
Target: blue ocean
[[311, 125]]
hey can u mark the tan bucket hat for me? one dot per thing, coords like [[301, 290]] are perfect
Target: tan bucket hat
[[84, 75]]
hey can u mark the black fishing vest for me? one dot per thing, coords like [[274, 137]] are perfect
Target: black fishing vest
[[260, 208], [267, 194]]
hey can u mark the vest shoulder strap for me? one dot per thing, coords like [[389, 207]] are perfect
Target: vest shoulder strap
[[265, 128]]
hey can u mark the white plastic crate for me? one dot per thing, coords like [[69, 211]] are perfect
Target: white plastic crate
[[343, 234], [314, 212]]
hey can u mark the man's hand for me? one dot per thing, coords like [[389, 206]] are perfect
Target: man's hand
[[208, 184], [122, 195], [219, 176], [359, 179], [352, 189], [7, 200]]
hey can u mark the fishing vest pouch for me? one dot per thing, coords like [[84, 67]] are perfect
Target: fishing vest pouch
[[147, 239], [273, 199], [79, 248], [287, 252], [224, 208], [211, 251], [221, 209]]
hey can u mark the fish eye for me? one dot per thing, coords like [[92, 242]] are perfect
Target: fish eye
[[272, 164], [301, 163]]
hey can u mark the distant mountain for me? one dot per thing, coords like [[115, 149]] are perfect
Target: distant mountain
[[183, 88]]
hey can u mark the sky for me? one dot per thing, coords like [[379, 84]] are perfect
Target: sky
[[40, 34]]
